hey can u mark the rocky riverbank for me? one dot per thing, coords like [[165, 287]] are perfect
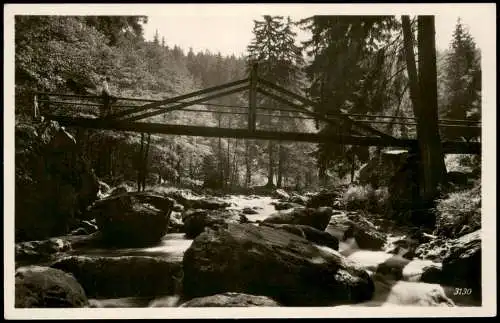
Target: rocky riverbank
[[170, 247]]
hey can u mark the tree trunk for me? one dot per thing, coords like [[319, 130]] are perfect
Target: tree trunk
[[353, 167], [228, 167], [270, 175], [423, 94], [412, 69], [248, 162], [145, 163], [322, 174], [234, 175], [221, 169], [281, 161], [139, 163], [110, 160], [430, 143]]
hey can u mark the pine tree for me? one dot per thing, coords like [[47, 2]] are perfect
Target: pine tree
[[352, 66], [279, 60], [462, 81], [156, 38]]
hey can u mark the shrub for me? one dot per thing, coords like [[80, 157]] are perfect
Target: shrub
[[361, 197], [463, 163], [381, 196], [459, 213]]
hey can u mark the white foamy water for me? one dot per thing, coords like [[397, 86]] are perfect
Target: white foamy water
[[261, 204], [174, 243], [403, 293], [413, 271], [418, 294], [171, 247], [369, 259]]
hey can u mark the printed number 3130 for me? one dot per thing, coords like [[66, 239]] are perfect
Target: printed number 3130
[[462, 291]]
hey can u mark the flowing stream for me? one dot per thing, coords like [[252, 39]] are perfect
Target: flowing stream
[[388, 291]]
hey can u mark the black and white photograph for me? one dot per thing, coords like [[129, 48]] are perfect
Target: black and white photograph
[[249, 160]]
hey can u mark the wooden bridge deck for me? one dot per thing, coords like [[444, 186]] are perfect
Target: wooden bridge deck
[[450, 147]]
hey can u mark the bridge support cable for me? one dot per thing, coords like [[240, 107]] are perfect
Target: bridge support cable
[[301, 109], [180, 106], [158, 104], [308, 102]]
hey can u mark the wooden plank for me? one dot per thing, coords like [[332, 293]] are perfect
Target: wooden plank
[[178, 98], [104, 124], [185, 104]]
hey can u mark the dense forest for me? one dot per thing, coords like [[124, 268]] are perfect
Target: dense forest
[[350, 64], [69, 54]]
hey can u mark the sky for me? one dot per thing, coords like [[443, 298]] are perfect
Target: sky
[[229, 30]]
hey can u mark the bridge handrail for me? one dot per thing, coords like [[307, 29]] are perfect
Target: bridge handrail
[[468, 123]]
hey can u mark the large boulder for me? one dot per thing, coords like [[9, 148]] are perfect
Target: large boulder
[[231, 300], [195, 221], [367, 235], [298, 199], [279, 206], [404, 202], [382, 167], [404, 247], [192, 201], [176, 224], [38, 286], [249, 211], [259, 260], [89, 226], [407, 245], [132, 219], [317, 218], [281, 194], [209, 203], [436, 250], [324, 198], [46, 251], [54, 181], [311, 234], [119, 190], [31, 252], [113, 277], [104, 189], [400, 268], [339, 224], [439, 249], [462, 267]]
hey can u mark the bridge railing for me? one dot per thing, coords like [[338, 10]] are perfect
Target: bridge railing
[[89, 106]]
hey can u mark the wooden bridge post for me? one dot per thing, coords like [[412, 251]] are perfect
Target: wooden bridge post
[[252, 110]]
